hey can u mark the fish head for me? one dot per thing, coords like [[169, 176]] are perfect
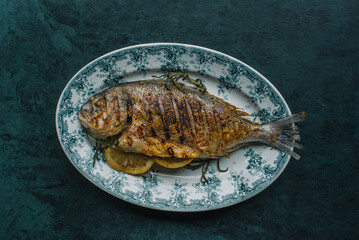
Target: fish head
[[102, 115]]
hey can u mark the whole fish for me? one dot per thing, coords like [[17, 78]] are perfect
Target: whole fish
[[150, 118]]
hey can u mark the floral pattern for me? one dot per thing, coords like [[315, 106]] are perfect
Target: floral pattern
[[251, 169]]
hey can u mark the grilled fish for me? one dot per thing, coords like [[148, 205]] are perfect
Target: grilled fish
[[152, 119]]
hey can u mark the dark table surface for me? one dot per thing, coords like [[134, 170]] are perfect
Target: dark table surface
[[308, 49]]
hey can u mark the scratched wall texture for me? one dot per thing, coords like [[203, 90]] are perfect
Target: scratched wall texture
[[308, 49]]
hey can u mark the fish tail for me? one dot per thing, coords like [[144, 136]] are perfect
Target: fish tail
[[283, 134]]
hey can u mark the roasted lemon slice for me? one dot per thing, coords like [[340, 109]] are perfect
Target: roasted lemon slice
[[173, 162], [131, 163]]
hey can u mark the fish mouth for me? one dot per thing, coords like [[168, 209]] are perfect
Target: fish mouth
[[84, 117], [85, 120]]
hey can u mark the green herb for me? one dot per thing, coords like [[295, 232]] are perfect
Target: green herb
[[101, 143], [173, 77], [111, 141], [96, 153], [108, 145], [195, 164], [219, 169], [204, 171]]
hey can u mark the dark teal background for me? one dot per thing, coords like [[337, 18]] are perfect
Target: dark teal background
[[308, 49]]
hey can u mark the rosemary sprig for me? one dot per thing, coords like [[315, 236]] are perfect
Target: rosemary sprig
[[173, 77], [204, 171], [219, 169], [195, 164], [204, 164], [96, 153], [101, 143]]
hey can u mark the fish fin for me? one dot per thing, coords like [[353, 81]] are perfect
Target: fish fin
[[151, 146], [284, 134]]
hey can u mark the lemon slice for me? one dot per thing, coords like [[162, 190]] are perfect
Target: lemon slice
[[173, 162], [131, 163]]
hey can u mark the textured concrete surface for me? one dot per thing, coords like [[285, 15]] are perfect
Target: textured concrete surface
[[308, 49]]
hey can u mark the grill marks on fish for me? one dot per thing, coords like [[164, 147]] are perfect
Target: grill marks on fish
[[200, 123], [160, 115], [106, 114], [167, 103], [164, 120], [169, 118], [217, 120], [185, 120], [178, 126], [205, 123], [190, 116]]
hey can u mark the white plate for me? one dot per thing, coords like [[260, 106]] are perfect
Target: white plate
[[251, 169]]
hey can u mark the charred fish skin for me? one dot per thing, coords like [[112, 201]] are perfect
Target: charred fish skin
[[106, 114], [177, 123]]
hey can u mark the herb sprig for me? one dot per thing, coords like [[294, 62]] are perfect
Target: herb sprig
[[174, 77], [204, 164], [101, 143]]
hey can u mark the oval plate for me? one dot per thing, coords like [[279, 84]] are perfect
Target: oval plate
[[250, 169]]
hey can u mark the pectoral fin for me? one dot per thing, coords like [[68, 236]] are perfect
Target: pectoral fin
[[156, 147], [134, 140]]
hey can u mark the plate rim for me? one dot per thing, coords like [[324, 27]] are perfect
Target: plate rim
[[286, 107]]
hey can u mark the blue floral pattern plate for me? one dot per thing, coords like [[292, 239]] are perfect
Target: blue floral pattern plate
[[250, 169]]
